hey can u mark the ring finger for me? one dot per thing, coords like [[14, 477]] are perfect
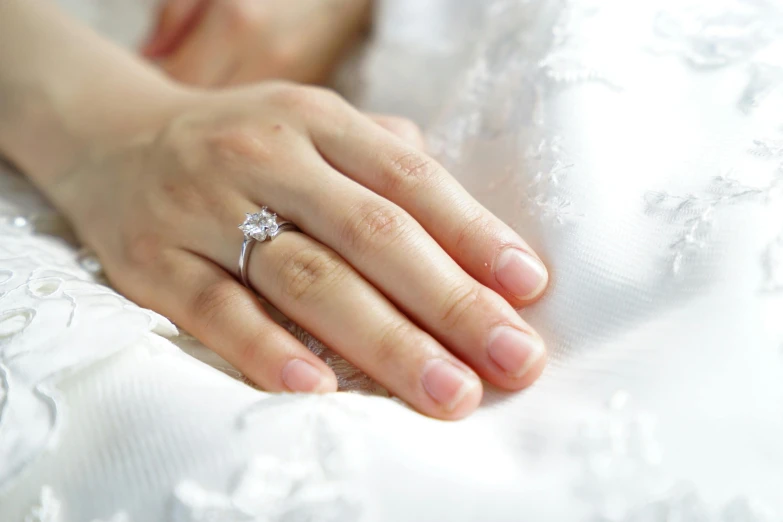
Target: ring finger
[[315, 287], [394, 253]]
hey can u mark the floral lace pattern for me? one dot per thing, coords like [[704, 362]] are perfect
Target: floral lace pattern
[[41, 284], [270, 490], [765, 78], [696, 212], [567, 62], [718, 33], [551, 166], [622, 477], [308, 484], [349, 377], [773, 265], [515, 111], [49, 509]]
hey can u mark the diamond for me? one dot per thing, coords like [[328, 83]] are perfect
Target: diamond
[[260, 225]]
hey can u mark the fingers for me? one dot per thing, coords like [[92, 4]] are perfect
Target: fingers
[[206, 56], [394, 253], [315, 287], [229, 319], [175, 20], [483, 245]]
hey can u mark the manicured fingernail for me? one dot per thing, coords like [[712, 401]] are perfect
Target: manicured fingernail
[[301, 376], [520, 273], [513, 350], [446, 383]]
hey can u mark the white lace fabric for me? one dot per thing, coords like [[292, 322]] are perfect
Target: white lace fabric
[[638, 146]]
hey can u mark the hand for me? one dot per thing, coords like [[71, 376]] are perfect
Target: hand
[[226, 42], [396, 267]]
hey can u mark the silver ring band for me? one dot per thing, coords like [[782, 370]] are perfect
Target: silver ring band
[[259, 227]]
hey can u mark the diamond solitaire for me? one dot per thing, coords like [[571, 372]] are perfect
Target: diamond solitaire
[[261, 225]]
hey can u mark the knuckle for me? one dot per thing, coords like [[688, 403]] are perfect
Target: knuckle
[[460, 302], [374, 225], [181, 197], [213, 299], [248, 350], [392, 338], [175, 142], [143, 248], [475, 226], [323, 94], [293, 96], [413, 171], [307, 98], [238, 143], [308, 272]]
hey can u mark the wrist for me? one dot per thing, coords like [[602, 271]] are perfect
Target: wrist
[[54, 128], [66, 93], [97, 144]]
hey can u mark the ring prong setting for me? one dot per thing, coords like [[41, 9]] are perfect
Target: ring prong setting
[[260, 225]]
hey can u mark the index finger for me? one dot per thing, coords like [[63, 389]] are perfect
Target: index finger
[[485, 247]]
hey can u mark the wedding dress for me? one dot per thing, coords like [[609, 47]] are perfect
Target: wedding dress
[[636, 144]]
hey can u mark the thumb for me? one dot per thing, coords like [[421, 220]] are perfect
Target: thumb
[[175, 20]]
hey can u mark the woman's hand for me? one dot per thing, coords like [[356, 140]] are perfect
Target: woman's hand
[[225, 42], [396, 267]]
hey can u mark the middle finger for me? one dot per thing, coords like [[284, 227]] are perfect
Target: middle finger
[[315, 287], [391, 250]]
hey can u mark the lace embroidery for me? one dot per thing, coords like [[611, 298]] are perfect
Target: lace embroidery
[[308, 485], [772, 259], [448, 138], [541, 196], [578, 26], [349, 377], [768, 149], [772, 262], [696, 213], [717, 33], [482, 108], [764, 79], [49, 509], [682, 502], [621, 474], [41, 279], [270, 489], [619, 453], [482, 113]]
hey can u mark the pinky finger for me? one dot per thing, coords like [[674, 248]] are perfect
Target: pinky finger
[[229, 319]]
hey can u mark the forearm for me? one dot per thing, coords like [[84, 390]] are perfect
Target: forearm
[[65, 91]]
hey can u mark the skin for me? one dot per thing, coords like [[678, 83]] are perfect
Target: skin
[[396, 266], [231, 42]]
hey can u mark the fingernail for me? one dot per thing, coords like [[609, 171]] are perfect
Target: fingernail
[[446, 383], [301, 376], [513, 350], [520, 273]]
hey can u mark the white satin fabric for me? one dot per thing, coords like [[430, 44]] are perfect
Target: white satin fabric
[[637, 145]]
